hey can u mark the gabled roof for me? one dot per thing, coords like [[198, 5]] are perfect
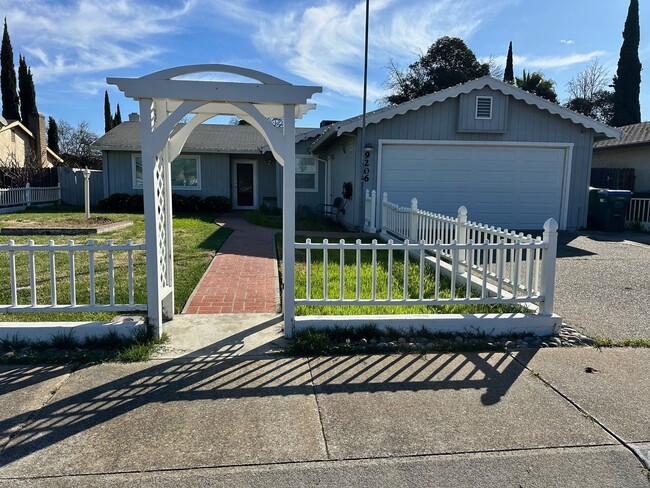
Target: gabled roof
[[633, 135], [18, 125], [350, 125], [210, 138]]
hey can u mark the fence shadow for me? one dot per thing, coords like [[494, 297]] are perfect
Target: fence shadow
[[226, 377]]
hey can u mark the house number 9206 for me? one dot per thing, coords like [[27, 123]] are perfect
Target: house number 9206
[[366, 167]]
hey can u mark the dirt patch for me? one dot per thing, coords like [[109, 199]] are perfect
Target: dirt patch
[[69, 226]]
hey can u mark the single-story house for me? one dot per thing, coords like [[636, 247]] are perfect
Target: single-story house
[[226, 160], [511, 158], [631, 151], [19, 144]]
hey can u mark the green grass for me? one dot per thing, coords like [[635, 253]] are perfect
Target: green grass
[[67, 349], [607, 342], [382, 286], [367, 340], [196, 239]]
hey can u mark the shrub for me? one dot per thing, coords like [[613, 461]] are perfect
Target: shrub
[[217, 204], [122, 202]]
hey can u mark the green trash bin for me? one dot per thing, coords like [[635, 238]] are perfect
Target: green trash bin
[[592, 209], [612, 207]]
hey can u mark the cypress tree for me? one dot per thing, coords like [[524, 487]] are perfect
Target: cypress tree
[[509, 74], [627, 82], [108, 120], [117, 120], [27, 91], [8, 78], [53, 135]]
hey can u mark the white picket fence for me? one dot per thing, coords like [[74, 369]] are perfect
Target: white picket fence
[[16, 253], [639, 212], [496, 266], [26, 196]]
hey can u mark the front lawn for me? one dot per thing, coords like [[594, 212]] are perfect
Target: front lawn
[[196, 240], [382, 286]]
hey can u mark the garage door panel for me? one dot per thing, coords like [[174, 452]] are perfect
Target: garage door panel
[[509, 186]]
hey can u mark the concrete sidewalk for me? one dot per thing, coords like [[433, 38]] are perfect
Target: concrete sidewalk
[[243, 417]]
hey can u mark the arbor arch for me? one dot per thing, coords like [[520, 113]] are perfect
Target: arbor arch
[[164, 101]]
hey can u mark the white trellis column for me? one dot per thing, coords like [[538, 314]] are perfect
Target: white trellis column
[[164, 101], [289, 220]]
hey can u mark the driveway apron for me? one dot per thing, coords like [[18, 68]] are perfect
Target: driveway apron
[[243, 276]]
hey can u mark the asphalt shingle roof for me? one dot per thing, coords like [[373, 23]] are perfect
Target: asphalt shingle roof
[[634, 134], [205, 138]]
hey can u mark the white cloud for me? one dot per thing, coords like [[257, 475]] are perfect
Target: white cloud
[[323, 41], [550, 62], [87, 36], [567, 41]]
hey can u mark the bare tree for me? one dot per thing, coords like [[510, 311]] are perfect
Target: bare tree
[[496, 70], [586, 84], [74, 143]]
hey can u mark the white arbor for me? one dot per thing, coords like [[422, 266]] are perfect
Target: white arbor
[[164, 101]]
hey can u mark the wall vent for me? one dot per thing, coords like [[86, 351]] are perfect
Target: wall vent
[[483, 107]]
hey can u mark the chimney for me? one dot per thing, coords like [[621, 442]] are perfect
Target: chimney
[[37, 127], [324, 123], [134, 117]]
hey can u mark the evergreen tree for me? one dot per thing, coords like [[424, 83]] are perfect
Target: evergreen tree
[[117, 120], [53, 135], [27, 92], [108, 120], [509, 74], [8, 78], [536, 84], [627, 82]]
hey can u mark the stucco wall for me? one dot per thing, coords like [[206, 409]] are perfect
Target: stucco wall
[[631, 157]]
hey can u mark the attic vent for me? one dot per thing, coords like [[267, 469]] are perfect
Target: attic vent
[[483, 107]]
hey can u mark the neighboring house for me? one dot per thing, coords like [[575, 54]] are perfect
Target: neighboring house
[[19, 144], [512, 158], [632, 151], [226, 160]]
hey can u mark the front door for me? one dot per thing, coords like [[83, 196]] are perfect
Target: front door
[[244, 184]]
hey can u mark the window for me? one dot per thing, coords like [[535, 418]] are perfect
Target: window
[[306, 173], [483, 107], [185, 172]]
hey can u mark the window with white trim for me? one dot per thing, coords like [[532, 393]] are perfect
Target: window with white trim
[[185, 172], [306, 173], [483, 107]]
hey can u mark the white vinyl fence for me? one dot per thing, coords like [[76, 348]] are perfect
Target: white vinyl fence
[[102, 268], [497, 266], [639, 212], [20, 197]]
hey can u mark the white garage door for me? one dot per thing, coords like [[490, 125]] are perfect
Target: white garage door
[[515, 187]]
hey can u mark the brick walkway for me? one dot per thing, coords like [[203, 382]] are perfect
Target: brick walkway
[[243, 277]]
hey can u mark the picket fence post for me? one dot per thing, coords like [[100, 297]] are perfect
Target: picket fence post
[[548, 267], [413, 227], [384, 214], [461, 231]]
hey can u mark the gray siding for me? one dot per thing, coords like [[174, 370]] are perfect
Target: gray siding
[[343, 169], [467, 121], [310, 199], [440, 122], [215, 175], [72, 186]]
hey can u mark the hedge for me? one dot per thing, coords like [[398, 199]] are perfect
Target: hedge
[[124, 202]]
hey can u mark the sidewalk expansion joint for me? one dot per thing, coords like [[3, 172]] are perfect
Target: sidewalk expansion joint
[[318, 408], [644, 462], [33, 413], [309, 462]]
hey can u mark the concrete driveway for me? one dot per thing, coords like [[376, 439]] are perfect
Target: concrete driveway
[[603, 283]]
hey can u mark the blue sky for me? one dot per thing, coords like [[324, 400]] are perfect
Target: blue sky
[[72, 46]]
